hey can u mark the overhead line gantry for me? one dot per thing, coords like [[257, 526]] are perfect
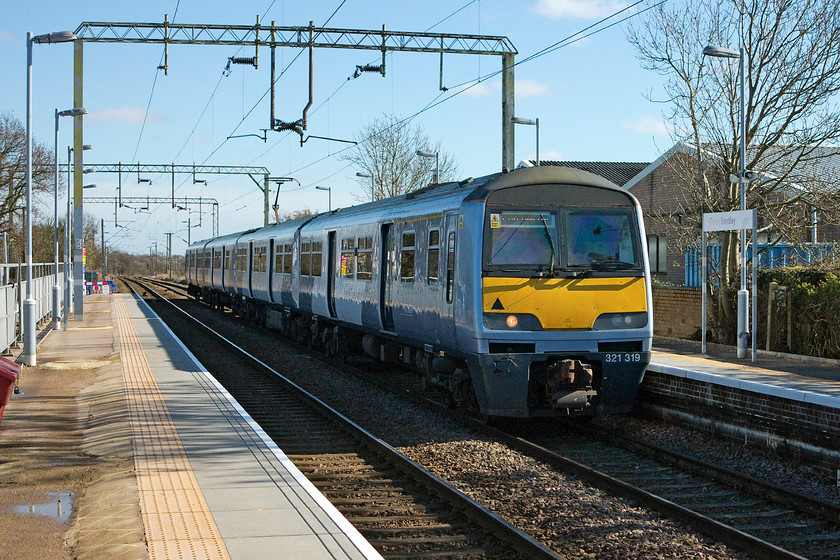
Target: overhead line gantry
[[273, 36]]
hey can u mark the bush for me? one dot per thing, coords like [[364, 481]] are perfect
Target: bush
[[813, 302]]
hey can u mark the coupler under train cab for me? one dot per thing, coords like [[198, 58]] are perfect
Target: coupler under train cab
[[527, 385]]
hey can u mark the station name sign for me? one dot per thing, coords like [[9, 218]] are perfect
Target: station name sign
[[727, 221]]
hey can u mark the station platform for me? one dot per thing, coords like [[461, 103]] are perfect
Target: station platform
[[211, 483], [792, 377]]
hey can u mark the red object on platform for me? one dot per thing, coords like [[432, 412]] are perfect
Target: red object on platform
[[9, 372]]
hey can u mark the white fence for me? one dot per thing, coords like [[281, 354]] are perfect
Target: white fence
[[13, 292]]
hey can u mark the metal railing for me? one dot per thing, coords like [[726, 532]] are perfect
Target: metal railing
[[13, 292]]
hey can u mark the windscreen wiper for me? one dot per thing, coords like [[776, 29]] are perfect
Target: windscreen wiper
[[551, 242], [612, 265]]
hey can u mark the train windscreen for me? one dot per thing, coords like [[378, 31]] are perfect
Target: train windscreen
[[554, 241]]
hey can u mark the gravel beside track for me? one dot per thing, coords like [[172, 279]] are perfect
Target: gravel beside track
[[567, 515]]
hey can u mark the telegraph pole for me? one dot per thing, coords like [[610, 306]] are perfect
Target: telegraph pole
[[104, 254], [169, 253]]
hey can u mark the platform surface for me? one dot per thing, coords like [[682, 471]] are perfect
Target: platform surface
[[211, 482], [797, 377]]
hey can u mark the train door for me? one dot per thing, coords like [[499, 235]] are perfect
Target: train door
[[331, 273], [225, 279], [387, 271], [250, 268], [449, 243], [269, 269]]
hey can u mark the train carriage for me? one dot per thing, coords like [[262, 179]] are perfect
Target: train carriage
[[519, 294]]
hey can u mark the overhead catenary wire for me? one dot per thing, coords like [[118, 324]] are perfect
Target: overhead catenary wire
[[152, 93], [335, 11], [588, 31]]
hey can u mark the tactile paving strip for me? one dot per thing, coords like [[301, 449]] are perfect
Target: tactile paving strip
[[177, 520]]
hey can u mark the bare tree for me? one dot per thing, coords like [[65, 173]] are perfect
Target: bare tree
[[792, 118], [13, 175], [293, 214], [387, 150]]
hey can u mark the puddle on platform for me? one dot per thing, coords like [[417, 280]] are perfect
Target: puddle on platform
[[59, 506]]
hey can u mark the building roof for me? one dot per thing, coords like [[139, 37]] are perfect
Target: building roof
[[618, 172]]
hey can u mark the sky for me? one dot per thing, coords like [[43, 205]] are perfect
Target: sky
[[590, 97]]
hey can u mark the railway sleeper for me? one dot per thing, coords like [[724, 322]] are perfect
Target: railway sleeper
[[423, 540], [414, 555], [772, 530], [385, 504], [364, 491], [417, 518], [430, 528], [773, 513]]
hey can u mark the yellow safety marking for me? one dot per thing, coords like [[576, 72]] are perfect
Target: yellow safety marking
[[564, 303], [177, 520]]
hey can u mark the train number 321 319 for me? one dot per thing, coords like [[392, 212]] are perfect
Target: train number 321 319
[[625, 357]]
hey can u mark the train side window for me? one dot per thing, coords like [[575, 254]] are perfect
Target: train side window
[[348, 257], [227, 260], [316, 258], [305, 259], [217, 260], [278, 258], [241, 259], [364, 258], [407, 257], [287, 258], [259, 258], [450, 268], [433, 268]]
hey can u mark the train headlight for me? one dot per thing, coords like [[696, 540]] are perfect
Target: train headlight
[[611, 321], [512, 322]]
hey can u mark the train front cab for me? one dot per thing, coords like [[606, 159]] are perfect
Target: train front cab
[[566, 323]]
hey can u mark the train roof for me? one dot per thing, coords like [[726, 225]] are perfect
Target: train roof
[[431, 198]]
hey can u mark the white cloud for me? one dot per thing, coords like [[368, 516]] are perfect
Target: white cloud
[[11, 38], [523, 88], [481, 89], [131, 115], [647, 125], [531, 88], [578, 9]]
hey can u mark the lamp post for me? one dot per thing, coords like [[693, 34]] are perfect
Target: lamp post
[[530, 122], [74, 112], [365, 174], [29, 319], [68, 253], [329, 196], [428, 154], [743, 294]]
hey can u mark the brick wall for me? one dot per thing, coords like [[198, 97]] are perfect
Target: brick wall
[[805, 431], [677, 311]]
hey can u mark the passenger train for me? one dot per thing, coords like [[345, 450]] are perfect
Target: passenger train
[[520, 294]]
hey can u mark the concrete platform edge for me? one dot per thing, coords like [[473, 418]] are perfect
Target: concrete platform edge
[[750, 386], [341, 522]]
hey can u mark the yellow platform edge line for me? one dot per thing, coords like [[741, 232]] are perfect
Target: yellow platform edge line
[[162, 469]]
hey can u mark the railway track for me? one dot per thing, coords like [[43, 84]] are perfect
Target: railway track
[[761, 519], [401, 509]]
